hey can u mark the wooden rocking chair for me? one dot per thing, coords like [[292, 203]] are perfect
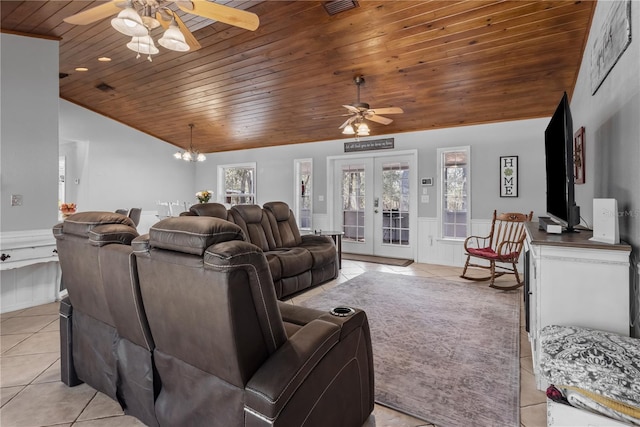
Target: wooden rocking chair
[[502, 245]]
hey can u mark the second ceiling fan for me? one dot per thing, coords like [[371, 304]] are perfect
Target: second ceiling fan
[[361, 111]]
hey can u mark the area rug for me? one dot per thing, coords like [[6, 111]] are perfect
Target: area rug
[[399, 262], [444, 352]]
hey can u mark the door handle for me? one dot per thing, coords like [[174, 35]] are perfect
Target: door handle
[[375, 210]]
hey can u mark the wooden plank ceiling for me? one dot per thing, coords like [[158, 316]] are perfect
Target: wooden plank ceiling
[[446, 63]]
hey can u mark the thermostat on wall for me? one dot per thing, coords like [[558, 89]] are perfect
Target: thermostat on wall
[[427, 181]]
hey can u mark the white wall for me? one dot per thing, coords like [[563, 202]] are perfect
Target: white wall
[[117, 166], [488, 142], [29, 132], [611, 118]]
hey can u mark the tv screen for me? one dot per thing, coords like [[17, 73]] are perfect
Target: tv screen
[[558, 142]]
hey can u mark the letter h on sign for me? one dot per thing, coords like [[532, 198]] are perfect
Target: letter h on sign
[[509, 176]]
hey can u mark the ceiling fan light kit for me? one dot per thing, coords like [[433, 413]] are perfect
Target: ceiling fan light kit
[[173, 39], [129, 23], [143, 44], [139, 17]]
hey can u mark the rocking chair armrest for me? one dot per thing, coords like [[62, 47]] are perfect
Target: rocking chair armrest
[[477, 240], [515, 244]]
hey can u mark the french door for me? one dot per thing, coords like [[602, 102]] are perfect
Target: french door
[[374, 205]]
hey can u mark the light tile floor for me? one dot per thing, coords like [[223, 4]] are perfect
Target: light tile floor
[[32, 394]]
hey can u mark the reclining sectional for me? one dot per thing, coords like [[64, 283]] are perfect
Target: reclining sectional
[[296, 262], [182, 326]]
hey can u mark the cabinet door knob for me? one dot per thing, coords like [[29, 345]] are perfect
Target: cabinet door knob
[[4, 257]]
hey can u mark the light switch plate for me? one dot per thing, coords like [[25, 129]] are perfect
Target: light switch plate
[[426, 181]]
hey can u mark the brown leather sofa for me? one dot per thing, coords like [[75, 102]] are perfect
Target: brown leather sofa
[[228, 353], [324, 266], [297, 262], [104, 336]]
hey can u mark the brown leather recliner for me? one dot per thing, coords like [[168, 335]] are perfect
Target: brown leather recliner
[[105, 339], [287, 235], [228, 353], [138, 385], [290, 267]]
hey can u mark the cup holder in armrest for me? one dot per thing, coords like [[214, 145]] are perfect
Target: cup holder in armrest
[[342, 311]]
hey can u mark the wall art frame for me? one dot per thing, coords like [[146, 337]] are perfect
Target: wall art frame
[[613, 36], [578, 156], [508, 176]]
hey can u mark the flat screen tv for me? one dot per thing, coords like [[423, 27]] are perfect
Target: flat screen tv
[[558, 143]]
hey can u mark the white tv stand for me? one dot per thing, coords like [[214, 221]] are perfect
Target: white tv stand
[[570, 280]]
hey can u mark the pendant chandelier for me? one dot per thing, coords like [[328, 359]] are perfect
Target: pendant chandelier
[[190, 155]]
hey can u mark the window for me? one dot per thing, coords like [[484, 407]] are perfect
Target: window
[[303, 192], [455, 212], [237, 184]]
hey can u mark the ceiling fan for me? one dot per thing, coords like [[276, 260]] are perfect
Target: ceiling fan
[[137, 18], [361, 111]]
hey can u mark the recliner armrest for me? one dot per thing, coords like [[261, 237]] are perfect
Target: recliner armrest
[[278, 378], [315, 239], [302, 315]]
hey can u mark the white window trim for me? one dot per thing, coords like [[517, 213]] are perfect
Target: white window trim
[[221, 179], [440, 153]]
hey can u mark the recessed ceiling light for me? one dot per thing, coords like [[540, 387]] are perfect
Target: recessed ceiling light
[[104, 59], [82, 69]]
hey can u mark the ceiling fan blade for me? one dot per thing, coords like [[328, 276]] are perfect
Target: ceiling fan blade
[[348, 122], [94, 14], [188, 36], [352, 108], [226, 14], [378, 119], [389, 110], [164, 17]]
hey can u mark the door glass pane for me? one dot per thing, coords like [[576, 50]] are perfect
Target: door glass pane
[[353, 203], [395, 203]]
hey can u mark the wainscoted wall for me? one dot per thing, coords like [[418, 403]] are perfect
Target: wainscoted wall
[[29, 286], [431, 249], [434, 250], [30, 273]]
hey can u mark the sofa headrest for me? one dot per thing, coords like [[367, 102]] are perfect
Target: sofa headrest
[[192, 234], [251, 214], [99, 227], [215, 210], [280, 210]]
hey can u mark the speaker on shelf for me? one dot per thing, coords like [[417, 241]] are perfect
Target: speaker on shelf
[[605, 221]]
